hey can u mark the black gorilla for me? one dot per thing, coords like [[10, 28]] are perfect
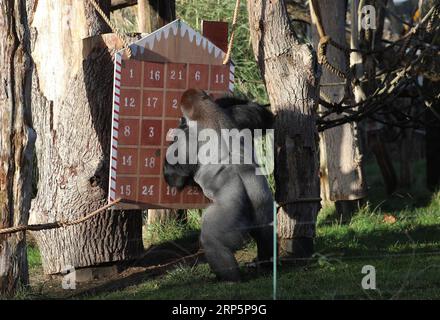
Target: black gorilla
[[244, 114], [242, 202]]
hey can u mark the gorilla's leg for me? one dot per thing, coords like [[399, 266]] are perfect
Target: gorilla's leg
[[261, 199], [223, 232], [263, 236]]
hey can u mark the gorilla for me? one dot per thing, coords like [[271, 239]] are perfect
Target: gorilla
[[242, 202]]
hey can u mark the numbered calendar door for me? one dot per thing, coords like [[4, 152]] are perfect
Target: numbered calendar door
[[147, 106]]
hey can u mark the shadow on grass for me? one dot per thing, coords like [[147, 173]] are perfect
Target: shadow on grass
[[155, 261]]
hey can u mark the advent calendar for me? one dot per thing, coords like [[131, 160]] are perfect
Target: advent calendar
[[147, 90]]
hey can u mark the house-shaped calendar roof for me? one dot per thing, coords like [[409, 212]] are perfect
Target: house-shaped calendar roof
[[177, 42]]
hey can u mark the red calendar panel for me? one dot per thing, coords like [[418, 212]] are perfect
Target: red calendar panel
[[219, 78], [131, 73], [126, 188], [146, 107], [154, 75], [172, 104], [177, 75], [150, 161], [149, 190], [151, 134], [198, 76], [128, 132], [153, 103], [130, 102], [127, 160]]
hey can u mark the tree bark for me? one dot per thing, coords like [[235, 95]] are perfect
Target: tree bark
[[17, 139], [342, 147], [71, 99], [289, 70]]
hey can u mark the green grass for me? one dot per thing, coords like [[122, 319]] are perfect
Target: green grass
[[34, 257], [159, 233], [406, 255], [397, 277]]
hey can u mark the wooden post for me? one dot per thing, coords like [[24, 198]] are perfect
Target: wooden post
[[17, 140], [366, 66], [340, 145], [290, 73], [144, 17], [153, 14]]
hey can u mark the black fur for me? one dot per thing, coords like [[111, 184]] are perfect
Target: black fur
[[242, 201], [180, 175], [245, 115]]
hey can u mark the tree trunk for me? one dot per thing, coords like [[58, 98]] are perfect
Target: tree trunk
[[365, 66], [72, 92], [342, 144], [289, 70], [17, 139]]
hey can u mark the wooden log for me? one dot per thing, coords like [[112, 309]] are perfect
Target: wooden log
[[341, 146], [290, 72], [72, 103]]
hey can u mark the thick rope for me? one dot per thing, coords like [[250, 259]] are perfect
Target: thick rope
[[113, 27], [58, 224], [231, 40], [324, 41], [322, 58]]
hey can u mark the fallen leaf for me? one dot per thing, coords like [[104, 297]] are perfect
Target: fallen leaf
[[388, 218]]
